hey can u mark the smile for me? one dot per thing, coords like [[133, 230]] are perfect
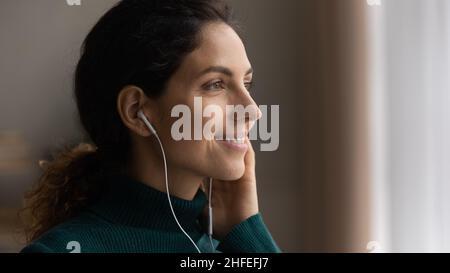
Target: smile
[[238, 144], [238, 141]]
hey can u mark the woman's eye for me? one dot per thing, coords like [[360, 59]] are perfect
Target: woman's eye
[[248, 85], [214, 86]]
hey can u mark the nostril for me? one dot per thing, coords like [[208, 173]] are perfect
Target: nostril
[[254, 114]]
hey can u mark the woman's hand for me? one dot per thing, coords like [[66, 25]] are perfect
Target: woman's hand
[[235, 201]]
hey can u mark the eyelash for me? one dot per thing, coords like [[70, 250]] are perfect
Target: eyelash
[[249, 85], [211, 86]]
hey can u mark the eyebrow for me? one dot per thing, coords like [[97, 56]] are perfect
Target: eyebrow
[[223, 70]]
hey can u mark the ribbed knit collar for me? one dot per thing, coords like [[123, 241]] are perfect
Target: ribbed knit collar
[[132, 203]]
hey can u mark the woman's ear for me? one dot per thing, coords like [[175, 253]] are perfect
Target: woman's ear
[[131, 99]]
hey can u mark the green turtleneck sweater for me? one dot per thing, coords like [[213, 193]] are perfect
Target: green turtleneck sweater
[[131, 217]]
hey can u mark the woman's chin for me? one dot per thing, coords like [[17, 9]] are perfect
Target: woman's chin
[[230, 172]]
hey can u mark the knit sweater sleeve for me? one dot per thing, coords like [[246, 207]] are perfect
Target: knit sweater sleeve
[[250, 236]]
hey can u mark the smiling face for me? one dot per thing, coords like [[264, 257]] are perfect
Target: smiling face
[[220, 73]]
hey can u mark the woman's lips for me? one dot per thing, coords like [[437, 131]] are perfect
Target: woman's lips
[[235, 144]]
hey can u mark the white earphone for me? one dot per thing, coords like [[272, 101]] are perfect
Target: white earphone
[[210, 222], [147, 123]]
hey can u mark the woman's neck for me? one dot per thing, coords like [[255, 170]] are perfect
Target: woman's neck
[[148, 167]]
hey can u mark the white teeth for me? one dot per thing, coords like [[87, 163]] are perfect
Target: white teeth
[[238, 141]]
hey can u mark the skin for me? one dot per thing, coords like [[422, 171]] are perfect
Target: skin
[[218, 71]]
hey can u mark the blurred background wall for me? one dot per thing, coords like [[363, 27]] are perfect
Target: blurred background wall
[[40, 42], [328, 64], [310, 58]]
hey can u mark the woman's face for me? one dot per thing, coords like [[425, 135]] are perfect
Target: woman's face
[[220, 73]]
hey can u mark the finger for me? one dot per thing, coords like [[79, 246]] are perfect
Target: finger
[[249, 160], [250, 155]]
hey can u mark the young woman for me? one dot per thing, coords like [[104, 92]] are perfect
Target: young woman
[[139, 61]]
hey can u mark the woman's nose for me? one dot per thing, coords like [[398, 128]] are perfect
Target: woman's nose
[[251, 110]]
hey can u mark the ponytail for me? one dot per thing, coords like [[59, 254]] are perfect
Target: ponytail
[[65, 187]]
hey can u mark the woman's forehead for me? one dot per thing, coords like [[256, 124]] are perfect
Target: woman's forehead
[[220, 46]]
